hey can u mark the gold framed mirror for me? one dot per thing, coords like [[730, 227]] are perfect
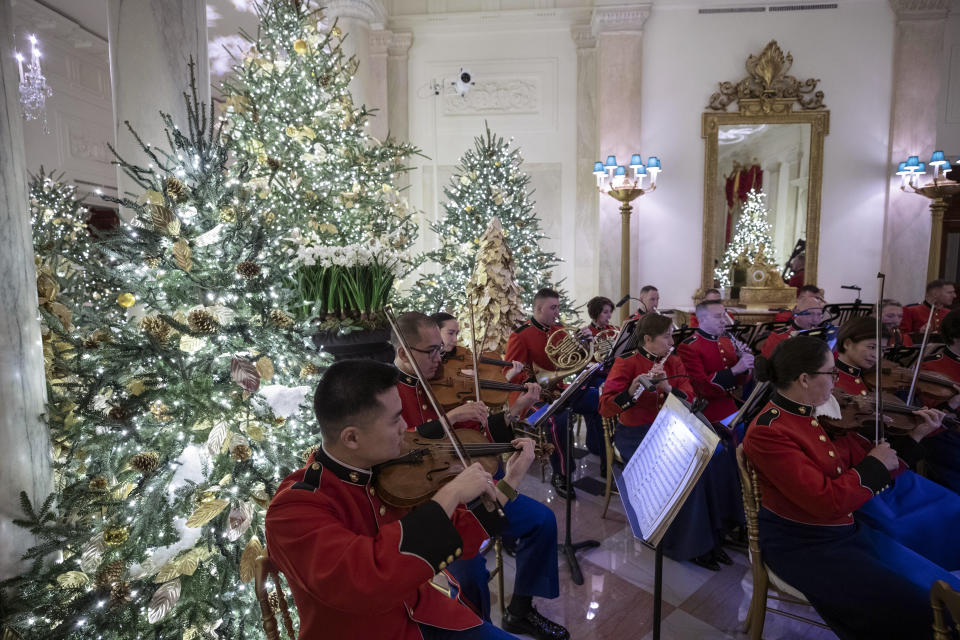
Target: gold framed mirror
[[772, 145]]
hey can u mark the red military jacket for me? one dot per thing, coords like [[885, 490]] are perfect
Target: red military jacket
[[419, 415], [945, 362], [850, 379], [776, 337], [783, 316], [708, 360], [915, 317], [594, 329], [805, 474], [359, 568], [616, 399], [898, 338], [528, 342]]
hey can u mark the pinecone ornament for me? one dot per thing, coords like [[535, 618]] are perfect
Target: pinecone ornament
[[281, 319], [110, 574], [156, 328], [241, 452], [145, 462], [117, 413], [175, 189], [309, 369], [98, 483], [248, 269], [120, 593], [202, 321]]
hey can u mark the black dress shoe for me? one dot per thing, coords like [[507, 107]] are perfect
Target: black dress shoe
[[535, 625], [707, 562], [721, 556], [559, 483]]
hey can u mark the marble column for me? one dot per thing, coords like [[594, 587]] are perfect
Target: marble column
[[24, 439], [377, 89], [398, 84], [151, 42], [586, 251], [357, 19], [913, 131], [619, 49]]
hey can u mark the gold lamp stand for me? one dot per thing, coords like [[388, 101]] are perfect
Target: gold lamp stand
[[625, 196]]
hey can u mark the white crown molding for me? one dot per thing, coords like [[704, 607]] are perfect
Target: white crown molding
[[623, 19], [370, 11], [501, 20], [921, 9]]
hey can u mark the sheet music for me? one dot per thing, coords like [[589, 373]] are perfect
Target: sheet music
[[666, 465]]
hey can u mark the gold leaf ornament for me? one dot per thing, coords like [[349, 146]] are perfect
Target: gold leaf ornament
[[205, 512], [164, 599], [182, 255], [73, 579], [265, 368], [248, 559]]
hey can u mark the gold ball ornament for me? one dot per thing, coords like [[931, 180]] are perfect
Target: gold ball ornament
[[145, 462], [98, 483], [300, 46], [241, 452], [248, 269], [281, 319], [115, 536], [126, 300], [202, 321]]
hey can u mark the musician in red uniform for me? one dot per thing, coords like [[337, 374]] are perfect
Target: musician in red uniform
[[915, 316], [530, 524], [710, 295], [711, 360], [861, 580], [891, 315], [357, 567], [450, 333], [600, 308], [714, 506], [942, 451], [806, 315], [806, 291], [649, 300], [527, 344]]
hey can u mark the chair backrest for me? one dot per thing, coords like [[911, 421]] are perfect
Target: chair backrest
[[266, 571], [751, 503], [763, 330], [943, 596]]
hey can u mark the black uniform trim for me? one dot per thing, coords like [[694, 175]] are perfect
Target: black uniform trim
[[873, 475], [311, 478], [499, 430], [848, 368], [691, 339], [429, 534], [350, 475], [725, 378], [407, 379], [538, 325], [624, 400], [793, 407], [525, 325], [766, 418], [909, 450], [431, 429]]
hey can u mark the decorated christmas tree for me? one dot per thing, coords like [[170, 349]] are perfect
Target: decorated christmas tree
[[488, 182], [493, 293], [173, 417], [752, 236], [312, 166]]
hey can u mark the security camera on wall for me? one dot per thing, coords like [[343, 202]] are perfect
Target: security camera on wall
[[464, 82]]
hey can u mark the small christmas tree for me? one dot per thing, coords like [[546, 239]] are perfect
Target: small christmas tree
[[488, 183], [752, 236], [493, 292]]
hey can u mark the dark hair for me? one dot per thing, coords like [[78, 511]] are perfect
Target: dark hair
[[937, 284], [709, 291], [888, 302], [648, 288], [790, 358], [410, 324], [545, 293], [441, 317], [347, 393], [950, 327], [595, 306], [703, 304], [859, 329], [652, 324], [808, 288]]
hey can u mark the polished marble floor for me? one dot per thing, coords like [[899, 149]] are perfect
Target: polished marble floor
[[616, 599]]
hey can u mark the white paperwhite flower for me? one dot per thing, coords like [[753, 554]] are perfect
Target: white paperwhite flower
[[284, 401]]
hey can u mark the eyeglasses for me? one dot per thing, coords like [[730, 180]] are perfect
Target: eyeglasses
[[432, 352], [834, 373]]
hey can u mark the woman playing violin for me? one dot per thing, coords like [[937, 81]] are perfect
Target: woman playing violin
[[450, 334], [531, 523], [357, 567], [863, 582]]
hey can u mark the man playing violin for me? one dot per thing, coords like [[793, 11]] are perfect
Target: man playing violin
[[531, 523], [806, 315], [715, 367], [943, 450], [939, 293], [527, 344], [357, 567]]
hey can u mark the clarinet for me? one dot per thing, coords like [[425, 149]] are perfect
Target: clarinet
[[738, 344], [636, 396]]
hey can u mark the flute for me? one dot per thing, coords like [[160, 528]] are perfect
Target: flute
[[653, 381]]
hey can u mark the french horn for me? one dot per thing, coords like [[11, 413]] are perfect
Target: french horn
[[568, 353]]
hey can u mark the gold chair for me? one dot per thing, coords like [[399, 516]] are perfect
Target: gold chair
[[265, 571], [613, 457], [765, 582], [942, 595], [498, 574]]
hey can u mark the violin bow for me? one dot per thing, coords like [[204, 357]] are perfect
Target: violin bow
[[441, 415], [923, 348], [476, 359], [878, 399]]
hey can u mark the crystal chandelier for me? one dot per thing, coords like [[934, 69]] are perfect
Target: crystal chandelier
[[34, 90]]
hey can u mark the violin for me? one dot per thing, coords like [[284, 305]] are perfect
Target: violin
[[893, 377], [898, 416], [454, 373]]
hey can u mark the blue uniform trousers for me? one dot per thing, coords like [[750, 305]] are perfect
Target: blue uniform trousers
[[485, 631], [586, 405], [941, 453], [919, 514], [712, 508], [534, 527], [861, 581]]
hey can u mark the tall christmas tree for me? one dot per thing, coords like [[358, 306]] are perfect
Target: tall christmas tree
[[173, 418], [493, 293], [488, 182], [309, 160], [752, 235]]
